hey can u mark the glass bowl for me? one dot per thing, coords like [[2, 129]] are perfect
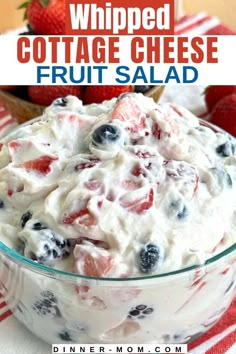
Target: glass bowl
[[61, 307], [174, 307]]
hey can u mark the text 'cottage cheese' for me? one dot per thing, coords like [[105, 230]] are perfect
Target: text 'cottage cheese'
[[123, 189]]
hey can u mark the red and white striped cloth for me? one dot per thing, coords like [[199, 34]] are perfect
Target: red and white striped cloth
[[4, 311], [6, 121], [221, 339]]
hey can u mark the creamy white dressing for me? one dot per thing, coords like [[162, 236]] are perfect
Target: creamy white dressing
[[163, 183]]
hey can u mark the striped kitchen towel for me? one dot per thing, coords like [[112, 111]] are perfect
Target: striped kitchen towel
[[6, 121]]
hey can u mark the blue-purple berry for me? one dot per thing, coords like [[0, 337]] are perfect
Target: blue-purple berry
[[149, 258], [140, 311], [26, 217], [226, 149], [46, 305]]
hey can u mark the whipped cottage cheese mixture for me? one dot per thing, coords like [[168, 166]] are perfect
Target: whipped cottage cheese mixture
[[123, 189]]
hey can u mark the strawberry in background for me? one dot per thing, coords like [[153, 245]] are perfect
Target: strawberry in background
[[224, 114], [221, 104], [46, 17], [45, 95], [215, 93], [97, 94]]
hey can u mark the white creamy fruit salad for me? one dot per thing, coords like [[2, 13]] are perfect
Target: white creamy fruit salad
[[123, 189]]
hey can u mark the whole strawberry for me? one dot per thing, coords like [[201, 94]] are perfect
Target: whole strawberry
[[224, 114], [98, 94], [214, 94], [47, 16], [45, 95]]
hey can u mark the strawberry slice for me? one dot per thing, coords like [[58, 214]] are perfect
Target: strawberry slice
[[94, 185], [87, 164], [138, 206], [40, 165], [170, 128], [14, 144], [185, 172], [156, 131], [73, 118], [143, 154], [92, 261], [16, 149], [130, 185], [138, 170], [129, 112], [82, 217]]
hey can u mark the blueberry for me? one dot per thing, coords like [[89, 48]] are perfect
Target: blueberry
[[1, 204], [140, 311], [26, 217], [178, 209], [141, 88], [46, 305], [222, 176], [141, 307], [42, 244], [47, 294], [53, 250], [226, 149], [65, 336], [106, 134], [39, 226], [149, 258], [174, 338], [61, 102]]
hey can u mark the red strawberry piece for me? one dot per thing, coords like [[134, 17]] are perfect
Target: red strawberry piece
[[82, 217], [94, 185], [92, 261], [138, 170], [214, 94], [100, 93], [89, 164], [130, 185], [45, 95], [143, 154], [72, 118], [185, 172], [40, 165], [130, 113], [14, 145], [171, 127], [47, 17], [140, 205], [224, 114], [156, 131], [176, 110], [225, 271]]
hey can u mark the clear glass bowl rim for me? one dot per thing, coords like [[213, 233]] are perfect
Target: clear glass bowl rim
[[49, 271], [53, 272]]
